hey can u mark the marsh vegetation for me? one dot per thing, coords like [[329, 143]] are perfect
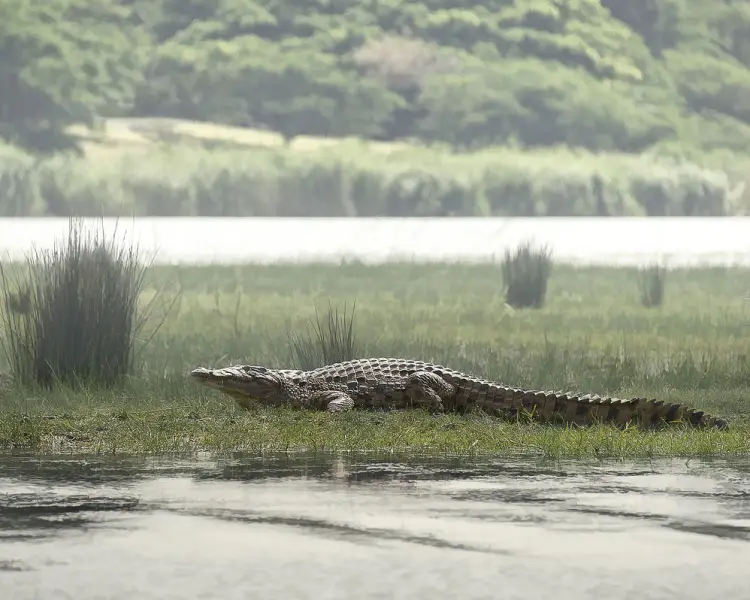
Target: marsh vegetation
[[590, 334]]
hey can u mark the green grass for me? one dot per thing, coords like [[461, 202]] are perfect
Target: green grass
[[591, 335], [169, 167], [218, 428]]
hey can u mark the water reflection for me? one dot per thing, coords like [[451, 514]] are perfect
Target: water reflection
[[328, 526], [23, 516]]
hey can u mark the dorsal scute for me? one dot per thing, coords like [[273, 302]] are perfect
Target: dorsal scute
[[393, 367]]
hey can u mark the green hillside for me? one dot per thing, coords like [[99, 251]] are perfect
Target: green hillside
[[600, 74], [655, 77]]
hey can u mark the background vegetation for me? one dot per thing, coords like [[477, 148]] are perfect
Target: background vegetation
[[655, 78], [354, 179], [598, 74]]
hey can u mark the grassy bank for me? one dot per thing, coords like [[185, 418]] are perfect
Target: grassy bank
[[177, 168], [591, 335], [217, 428]]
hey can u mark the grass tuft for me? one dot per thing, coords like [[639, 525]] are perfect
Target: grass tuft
[[332, 340], [71, 313], [525, 274], [651, 282]]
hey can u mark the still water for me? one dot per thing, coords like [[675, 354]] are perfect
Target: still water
[[594, 240], [328, 526]]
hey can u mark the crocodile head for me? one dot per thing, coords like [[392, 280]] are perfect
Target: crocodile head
[[245, 383]]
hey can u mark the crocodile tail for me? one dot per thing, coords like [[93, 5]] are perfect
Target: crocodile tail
[[591, 409]]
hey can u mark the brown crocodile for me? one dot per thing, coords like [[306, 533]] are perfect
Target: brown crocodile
[[397, 383]]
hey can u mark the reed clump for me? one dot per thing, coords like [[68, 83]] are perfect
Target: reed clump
[[526, 271], [72, 312], [651, 282], [331, 340]]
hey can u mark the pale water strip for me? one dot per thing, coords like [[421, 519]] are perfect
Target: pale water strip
[[603, 241]]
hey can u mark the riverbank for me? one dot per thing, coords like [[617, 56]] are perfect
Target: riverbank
[[591, 335], [93, 426]]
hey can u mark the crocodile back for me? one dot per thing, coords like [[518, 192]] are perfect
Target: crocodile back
[[367, 370]]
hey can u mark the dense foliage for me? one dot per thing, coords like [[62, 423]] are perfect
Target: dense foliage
[[599, 74], [354, 179]]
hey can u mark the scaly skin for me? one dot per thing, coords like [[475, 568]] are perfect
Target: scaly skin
[[396, 383]]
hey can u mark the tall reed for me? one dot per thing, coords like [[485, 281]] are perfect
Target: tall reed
[[71, 313]]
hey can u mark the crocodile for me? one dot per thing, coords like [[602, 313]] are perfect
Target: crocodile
[[399, 383]]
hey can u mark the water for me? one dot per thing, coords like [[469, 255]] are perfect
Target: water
[[622, 241], [328, 527]]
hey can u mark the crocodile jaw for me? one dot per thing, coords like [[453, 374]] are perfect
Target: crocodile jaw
[[246, 384], [224, 380]]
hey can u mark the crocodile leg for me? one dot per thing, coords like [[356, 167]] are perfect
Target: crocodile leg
[[333, 400], [429, 390]]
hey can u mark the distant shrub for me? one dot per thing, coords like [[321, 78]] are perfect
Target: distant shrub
[[332, 340], [651, 282], [525, 274], [73, 317], [351, 178]]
